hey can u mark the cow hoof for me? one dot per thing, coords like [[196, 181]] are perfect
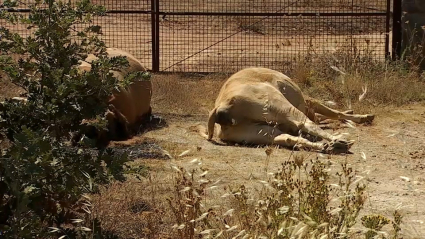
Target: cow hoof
[[367, 119], [157, 120], [337, 146], [370, 118], [311, 138]]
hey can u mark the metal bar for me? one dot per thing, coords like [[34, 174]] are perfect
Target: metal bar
[[387, 30], [351, 29], [128, 11], [157, 39], [397, 30], [260, 14], [153, 30], [281, 14], [108, 11]]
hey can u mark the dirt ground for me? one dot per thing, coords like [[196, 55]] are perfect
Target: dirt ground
[[393, 146]]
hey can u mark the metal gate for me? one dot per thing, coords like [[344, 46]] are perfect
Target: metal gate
[[227, 35], [217, 36]]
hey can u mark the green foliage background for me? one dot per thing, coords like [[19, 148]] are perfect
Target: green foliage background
[[43, 179]]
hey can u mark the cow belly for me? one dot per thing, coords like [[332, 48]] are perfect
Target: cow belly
[[141, 92], [123, 102]]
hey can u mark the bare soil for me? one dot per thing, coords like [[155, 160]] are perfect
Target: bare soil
[[393, 147]]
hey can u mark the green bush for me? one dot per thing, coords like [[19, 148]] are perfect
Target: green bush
[[42, 178]]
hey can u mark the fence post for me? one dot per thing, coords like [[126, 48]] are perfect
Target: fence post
[[387, 30], [155, 34], [397, 29]]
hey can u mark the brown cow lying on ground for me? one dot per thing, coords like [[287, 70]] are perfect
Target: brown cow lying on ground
[[127, 107], [263, 106]]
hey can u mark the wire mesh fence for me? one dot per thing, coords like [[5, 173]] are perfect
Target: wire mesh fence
[[127, 25], [227, 35], [206, 36]]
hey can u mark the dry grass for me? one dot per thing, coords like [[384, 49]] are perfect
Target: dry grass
[[185, 94], [342, 76], [387, 85], [135, 209], [139, 209], [201, 207], [181, 95], [341, 79]]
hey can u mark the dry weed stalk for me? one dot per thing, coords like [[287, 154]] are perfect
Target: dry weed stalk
[[186, 204], [344, 75], [299, 201]]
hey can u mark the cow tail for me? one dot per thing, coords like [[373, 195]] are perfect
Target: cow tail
[[211, 123]]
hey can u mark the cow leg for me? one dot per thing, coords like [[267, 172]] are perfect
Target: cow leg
[[112, 124], [264, 135], [121, 119], [328, 113], [321, 117], [269, 135], [289, 119], [271, 108]]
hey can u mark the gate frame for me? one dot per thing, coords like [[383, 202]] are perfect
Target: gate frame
[[397, 29], [155, 35], [395, 14]]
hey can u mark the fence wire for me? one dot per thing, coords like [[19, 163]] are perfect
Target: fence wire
[[228, 35]]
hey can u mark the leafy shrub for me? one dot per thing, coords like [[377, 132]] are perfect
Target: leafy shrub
[[59, 96], [42, 178]]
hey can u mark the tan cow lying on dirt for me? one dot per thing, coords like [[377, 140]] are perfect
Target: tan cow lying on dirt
[[127, 107], [263, 106]]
